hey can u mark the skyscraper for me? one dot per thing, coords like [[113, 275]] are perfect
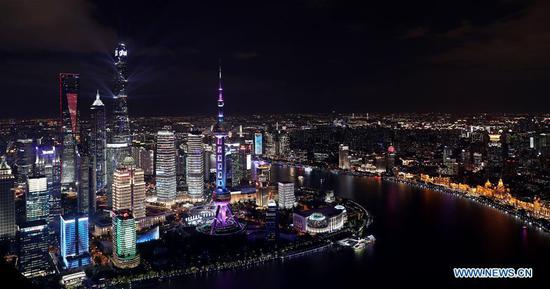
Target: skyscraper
[[69, 87], [7, 201], [166, 166], [116, 152], [272, 221], [258, 144], [286, 195], [86, 190], [48, 164], [195, 162], [25, 157], [120, 139], [238, 166], [124, 240], [129, 188], [74, 241], [224, 222], [121, 121], [37, 199], [343, 157], [98, 141], [34, 260]]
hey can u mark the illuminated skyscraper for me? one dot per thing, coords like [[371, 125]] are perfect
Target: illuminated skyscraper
[[258, 144], [98, 141], [166, 166], [194, 167], [116, 152], [86, 186], [120, 139], [25, 158], [124, 240], [48, 164], [238, 166], [224, 222], [37, 199], [286, 195], [343, 157], [121, 121], [34, 260], [69, 87], [7, 201], [129, 188], [74, 241]]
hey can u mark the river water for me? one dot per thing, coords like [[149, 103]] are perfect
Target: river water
[[420, 236]]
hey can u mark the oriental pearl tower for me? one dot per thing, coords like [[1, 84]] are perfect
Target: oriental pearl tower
[[224, 223]]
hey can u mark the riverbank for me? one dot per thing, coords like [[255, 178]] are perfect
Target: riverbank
[[529, 221], [541, 225]]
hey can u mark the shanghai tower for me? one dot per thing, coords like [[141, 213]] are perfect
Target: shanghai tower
[[119, 145], [121, 121]]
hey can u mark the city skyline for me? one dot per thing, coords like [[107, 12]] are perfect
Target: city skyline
[[344, 144]]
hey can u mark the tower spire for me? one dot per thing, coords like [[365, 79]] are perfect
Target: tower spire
[[220, 94]]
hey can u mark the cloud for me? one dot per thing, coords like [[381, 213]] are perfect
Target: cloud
[[520, 41], [55, 25]]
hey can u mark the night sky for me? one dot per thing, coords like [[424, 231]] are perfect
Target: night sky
[[281, 56]]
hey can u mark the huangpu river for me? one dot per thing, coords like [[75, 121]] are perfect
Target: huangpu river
[[421, 235]]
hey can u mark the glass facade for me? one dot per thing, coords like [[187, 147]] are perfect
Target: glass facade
[[74, 241], [69, 85], [7, 201], [166, 166], [37, 199], [195, 165]]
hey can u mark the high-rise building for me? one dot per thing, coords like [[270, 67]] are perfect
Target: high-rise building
[[7, 201], [343, 157], [25, 157], [209, 156], [69, 85], [98, 141], [166, 166], [129, 188], [495, 155], [34, 260], [238, 166], [282, 145], [74, 241], [272, 221], [195, 165], [144, 158], [124, 240], [269, 144], [86, 186], [181, 163], [116, 152], [121, 121], [37, 199], [286, 195], [258, 144], [48, 164]]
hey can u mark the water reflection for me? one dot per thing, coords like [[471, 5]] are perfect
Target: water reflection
[[417, 231]]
